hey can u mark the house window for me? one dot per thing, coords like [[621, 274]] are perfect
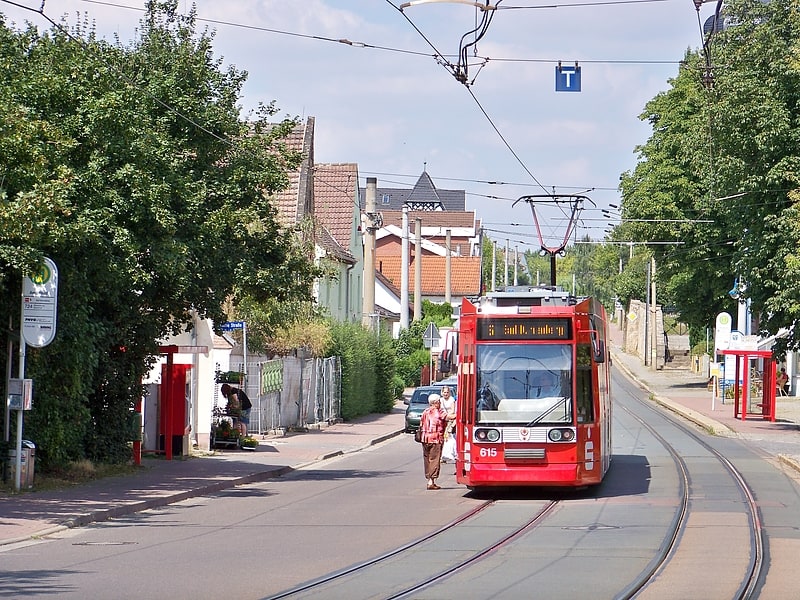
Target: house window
[[385, 199]]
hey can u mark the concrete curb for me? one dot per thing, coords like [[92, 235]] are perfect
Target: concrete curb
[[712, 426], [790, 461]]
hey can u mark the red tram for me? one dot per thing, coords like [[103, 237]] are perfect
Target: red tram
[[534, 403]]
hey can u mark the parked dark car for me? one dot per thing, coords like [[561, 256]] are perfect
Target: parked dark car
[[419, 402]]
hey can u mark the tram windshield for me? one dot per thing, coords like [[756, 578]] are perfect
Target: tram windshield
[[524, 384]]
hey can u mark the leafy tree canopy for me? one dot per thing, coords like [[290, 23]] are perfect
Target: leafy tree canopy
[[719, 173], [133, 169]]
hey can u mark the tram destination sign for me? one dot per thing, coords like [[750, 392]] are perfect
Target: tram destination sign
[[523, 328]]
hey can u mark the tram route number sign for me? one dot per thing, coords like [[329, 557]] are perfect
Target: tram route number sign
[[515, 328]]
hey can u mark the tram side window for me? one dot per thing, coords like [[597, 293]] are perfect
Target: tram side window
[[583, 381]]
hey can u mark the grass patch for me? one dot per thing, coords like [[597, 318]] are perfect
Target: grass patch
[[75, 473]]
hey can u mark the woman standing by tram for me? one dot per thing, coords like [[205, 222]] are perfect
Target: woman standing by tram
[[432, 425]]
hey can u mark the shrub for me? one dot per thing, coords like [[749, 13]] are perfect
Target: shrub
[[368, 369]]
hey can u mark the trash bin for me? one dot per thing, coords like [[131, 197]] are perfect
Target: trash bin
[[27, 463]]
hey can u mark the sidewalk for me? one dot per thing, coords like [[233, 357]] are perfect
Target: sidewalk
[[161, 482], [686, 393]]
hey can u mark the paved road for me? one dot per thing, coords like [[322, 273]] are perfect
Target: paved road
[[161, 482]]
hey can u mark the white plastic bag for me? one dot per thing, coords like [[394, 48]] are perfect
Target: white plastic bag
[[449, 448]]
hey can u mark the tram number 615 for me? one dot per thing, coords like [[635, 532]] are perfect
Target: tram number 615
[[488, 452]]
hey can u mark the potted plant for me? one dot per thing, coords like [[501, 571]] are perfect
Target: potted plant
[[248, 443], [225, 432], [229, 377]]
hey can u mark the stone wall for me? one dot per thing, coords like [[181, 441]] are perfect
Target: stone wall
[[634, 333]]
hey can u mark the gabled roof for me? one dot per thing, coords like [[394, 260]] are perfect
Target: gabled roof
[[424, 192], [334, 199], [465, 274], [332, 247], [297, 200], [388, 283]]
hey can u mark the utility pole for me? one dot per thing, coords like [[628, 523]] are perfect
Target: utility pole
[[369, 221], [505, 270], [516, 265], [418, 269], [448, 268], [647, 323], [404, 267], [494, 263], [653, 320]]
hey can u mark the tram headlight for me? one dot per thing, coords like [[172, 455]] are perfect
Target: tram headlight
[[561, 435], [487, 435]]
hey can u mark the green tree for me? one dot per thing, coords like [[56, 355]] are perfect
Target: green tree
[[133, 169], [718, 171]]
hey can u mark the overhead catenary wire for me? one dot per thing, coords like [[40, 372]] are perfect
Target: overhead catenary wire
[[454, 70], [443, 56], [424, 54]]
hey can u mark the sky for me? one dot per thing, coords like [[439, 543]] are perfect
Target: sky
[[385, 103]]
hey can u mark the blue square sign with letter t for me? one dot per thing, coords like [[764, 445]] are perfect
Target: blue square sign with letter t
[[568, 79]]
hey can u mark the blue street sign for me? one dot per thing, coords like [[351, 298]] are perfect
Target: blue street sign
[[231, 325], [568, 79]]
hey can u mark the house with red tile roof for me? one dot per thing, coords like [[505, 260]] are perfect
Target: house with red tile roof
[[340, 249], [439, 212], [296, 202], [327, 196]]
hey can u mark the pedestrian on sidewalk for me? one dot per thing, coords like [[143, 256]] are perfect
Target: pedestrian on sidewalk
[[432, 424], [238, 406], [449, 406], [782, 381]]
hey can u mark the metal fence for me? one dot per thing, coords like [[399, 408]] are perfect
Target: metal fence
[[293, 393]]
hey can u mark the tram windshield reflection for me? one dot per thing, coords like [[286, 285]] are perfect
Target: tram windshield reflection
[[524, 383]]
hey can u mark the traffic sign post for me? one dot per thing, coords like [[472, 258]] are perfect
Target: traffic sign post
[[37, 329], [234, 325], [431, 336]]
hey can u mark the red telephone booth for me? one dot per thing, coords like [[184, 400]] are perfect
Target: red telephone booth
[[173, 421]]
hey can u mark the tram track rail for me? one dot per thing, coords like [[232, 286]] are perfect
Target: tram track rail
[[749, 583], [318, 586], [441, 560]]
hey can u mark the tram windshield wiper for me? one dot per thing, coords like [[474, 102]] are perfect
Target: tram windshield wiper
[[538, 419]]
